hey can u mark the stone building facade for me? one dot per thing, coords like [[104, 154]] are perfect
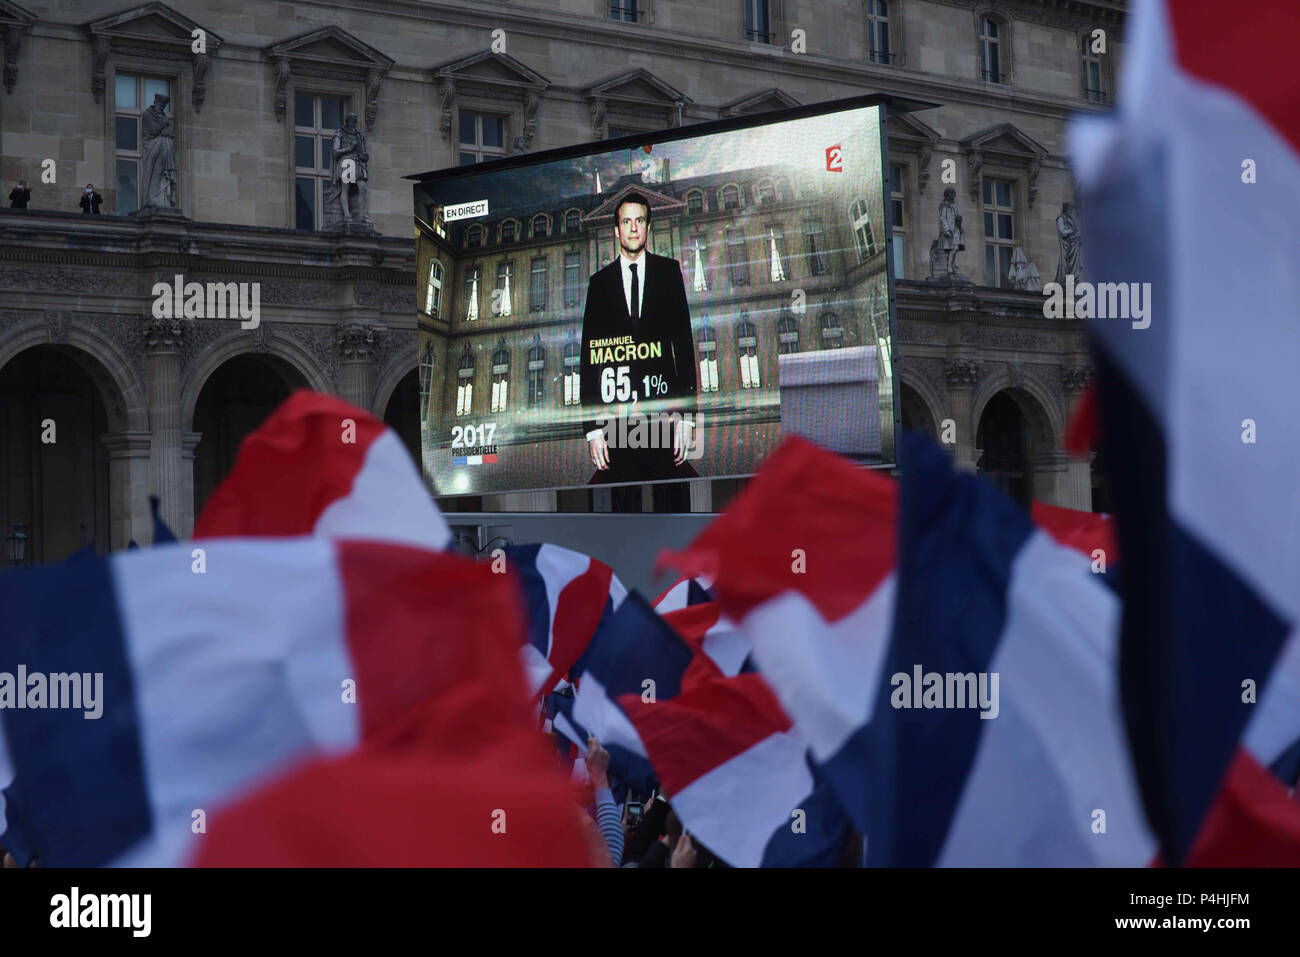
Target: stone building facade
[[145, 404]]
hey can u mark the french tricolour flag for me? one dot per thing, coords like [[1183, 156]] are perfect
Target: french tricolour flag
[[1194, 186], [803, 562], [217, 674], [996, 737], [319, 466], [566, 596]]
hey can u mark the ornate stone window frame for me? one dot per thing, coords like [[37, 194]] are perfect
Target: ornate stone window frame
[[636, 99], [120, 40], [489, 82], [897, 48], [1084, 35], [1007, 151], [15, 22], [1006, 31], [312, 62]]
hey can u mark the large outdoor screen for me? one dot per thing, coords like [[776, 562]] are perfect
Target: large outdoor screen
[[657, 309]]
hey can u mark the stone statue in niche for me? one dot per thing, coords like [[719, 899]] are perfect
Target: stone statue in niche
[[1067, 231], [350, 172], [951, 241], [158, 161]]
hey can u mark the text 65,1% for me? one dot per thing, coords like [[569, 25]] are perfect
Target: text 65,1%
[[616, 385]]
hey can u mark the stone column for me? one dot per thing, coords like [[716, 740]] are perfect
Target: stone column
[[189, 442], [1077, 486], [961, 375], [128, 488], [162, 343], [358, 345], [1047, 477]]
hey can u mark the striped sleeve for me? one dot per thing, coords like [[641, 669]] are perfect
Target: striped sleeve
[[607, 817]]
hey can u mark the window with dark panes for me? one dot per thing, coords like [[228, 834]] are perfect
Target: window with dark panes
[[878, 31], [999, 231], [737, 257], [482, 136], [537, 285], [991, 50], [815, 247], [624, 10], [315, 118], [758, 21], [572, 221], [536, 373], [898, 221], [132, 95]]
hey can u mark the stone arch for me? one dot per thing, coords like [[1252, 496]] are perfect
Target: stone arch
[[395, 372], [98, 355], [213, 357], [923, 397], [1044, 462], [1044, 416]]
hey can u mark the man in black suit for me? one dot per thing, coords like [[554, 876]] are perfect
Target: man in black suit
[[637, 348]]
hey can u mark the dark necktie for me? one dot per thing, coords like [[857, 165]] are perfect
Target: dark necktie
[[635, 310]]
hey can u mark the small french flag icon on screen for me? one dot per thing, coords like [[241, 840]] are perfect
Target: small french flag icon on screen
[[474, 459]]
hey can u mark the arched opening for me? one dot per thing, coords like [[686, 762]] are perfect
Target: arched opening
[[1003, 437], [916, 416], [54, 470], [235, 400], [402, 414]]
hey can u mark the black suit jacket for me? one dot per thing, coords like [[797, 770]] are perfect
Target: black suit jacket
[[665, 320]]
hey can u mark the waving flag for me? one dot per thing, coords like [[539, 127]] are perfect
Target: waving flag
[[321, 466], [683, 593], [634, 655], [203, 675], [738, 775], [1083, 531], [997, 737], [566, 596], [803, 562], [1194, 187]]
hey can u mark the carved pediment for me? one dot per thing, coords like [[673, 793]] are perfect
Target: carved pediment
[[907, 129], [605, 211], [334, 47], [491, 69], [15, 21], [153, 31], [770, 99], [638, 93], [1006, 139], [495, 76], [329, 53], [1008, 145], [639, 87]]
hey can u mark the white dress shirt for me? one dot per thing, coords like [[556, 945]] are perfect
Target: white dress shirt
[[624, 263]]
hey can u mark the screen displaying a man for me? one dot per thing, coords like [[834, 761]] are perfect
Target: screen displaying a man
[[637, 369]]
